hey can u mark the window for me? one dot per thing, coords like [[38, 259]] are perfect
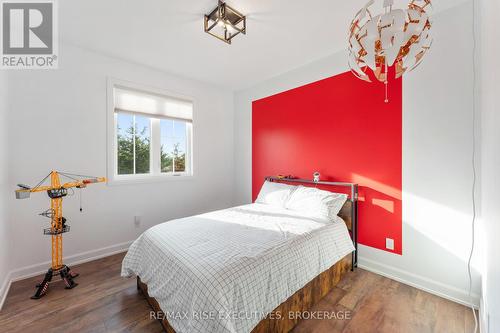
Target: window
[[133, 144], [151, 134], [173, 145]]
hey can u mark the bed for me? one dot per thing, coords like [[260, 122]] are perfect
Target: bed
[[242, 269]]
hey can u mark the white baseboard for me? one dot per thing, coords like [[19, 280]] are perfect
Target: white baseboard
[[483, 317], [4, 289], [37, 269], [420, 282]]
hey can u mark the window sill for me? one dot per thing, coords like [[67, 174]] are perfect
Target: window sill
[[130, 180]]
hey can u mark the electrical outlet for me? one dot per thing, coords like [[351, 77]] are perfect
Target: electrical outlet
[[389, 244], [137, 221]]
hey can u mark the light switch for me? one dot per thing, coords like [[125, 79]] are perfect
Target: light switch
[[137, 221], [389, 244]]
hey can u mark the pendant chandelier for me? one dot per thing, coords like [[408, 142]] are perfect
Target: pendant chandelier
[[396, 37]]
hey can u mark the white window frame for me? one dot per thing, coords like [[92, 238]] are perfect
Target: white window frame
[[155, 174]]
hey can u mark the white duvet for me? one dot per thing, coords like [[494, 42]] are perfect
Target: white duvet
[[224, 271]]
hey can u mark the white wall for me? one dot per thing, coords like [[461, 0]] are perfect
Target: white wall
[[489, 102], [58, 122], [437, 147], [5, 234]]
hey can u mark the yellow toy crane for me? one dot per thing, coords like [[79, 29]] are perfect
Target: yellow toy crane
[[56, 191]]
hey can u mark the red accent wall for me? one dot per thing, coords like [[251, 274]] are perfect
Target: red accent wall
[[342, 128]]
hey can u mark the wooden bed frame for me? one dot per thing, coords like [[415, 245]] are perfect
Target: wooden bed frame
[[311, 293]]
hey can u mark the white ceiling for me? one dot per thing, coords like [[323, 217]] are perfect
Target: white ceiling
[[168, 35]]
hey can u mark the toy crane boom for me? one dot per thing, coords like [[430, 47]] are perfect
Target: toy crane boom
[[56, 191]]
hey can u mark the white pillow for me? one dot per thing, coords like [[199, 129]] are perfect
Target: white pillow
[[315, 202], [275, 194]]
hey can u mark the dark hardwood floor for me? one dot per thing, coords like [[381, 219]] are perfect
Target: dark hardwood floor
[[105, 302]]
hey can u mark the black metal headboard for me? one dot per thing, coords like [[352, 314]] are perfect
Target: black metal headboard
[[349, 211]]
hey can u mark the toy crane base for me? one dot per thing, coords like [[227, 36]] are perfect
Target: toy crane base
[[66, 275]]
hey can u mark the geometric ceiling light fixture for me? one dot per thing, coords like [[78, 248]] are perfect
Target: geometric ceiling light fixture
[[396, 37], [225, 22]]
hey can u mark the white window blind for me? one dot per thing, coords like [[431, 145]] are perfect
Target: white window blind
[[127, 100]]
